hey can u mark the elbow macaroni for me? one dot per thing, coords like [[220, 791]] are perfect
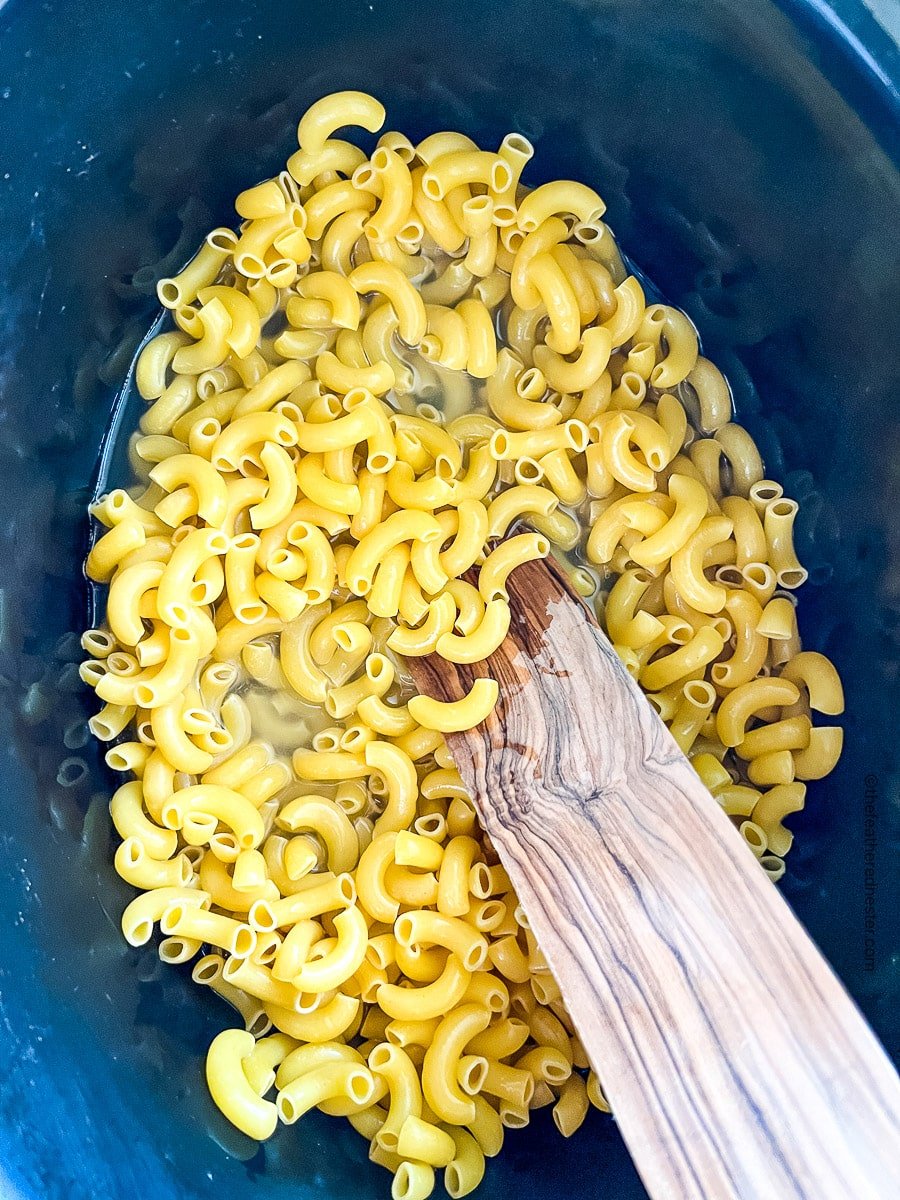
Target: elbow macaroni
[[315, 498]]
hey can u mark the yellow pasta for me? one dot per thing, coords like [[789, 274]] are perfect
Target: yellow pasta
[[449, 716], [231, 1089], [404, 375]]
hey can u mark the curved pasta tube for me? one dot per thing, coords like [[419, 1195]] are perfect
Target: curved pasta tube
[[481, 641], [370, 878], [695, 705], [704, 646], [744, 459], [687, 566], [570, 264], [127, 590], [339, 434], [683, 348], [407, 492], [430, 1000], [147, 909], [424, 638], [616, 431], [789, 733], [435, 216], [334, 288], [425, 1143], [390, 282], [198, 924], [399, 527], [446, 341], [751, 647], [437, 442], [741, 704], [262, 397], [326, 1023], [211, 349], [626, 319], [458, 168], [416, 850], [560, 196], [821, 755], [332, 202], [506, 401], [246, 431], [168, 727], [439, 929], [713, 395], [172, 678], [627, 626], [384, 719], [265, 199], [508, 555], [778, 523], [395, 181], [333, 155], [773, 767], [303, 1059], [470, 528], [399, 773], [454, 716], [691, 502], [519, 502], [453, 880], [182, 288], [335, 111], [338, 964], [481, 340], [135, 866], [230, 1089], [334, 893], [322, 816], [771, 809], [243, 314], [395, 1066], [327, 765], [129, 819], [817, 675], [749, 537], [555, 292], [321, 569], [330, 1081], [213, 801], [235, 634], [108, 551], [178, 587], [480, 474], [571, 435], [582, 372], [524, 293], [154, 361], [281, 492], [377, 378], [318, 486], [440, 1066]]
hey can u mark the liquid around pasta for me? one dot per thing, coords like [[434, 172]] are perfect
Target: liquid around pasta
[[403, 376]]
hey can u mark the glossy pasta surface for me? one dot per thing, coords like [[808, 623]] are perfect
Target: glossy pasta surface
[[404, 375]]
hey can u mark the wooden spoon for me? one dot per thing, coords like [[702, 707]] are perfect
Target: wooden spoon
[[735, 1063]]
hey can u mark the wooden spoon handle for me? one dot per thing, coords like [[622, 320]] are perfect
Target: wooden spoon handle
[[734, 1061]]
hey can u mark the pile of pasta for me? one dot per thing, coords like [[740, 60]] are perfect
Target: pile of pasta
[[403, 376]]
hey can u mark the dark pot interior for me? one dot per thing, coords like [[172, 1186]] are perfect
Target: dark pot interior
[[748, 152]]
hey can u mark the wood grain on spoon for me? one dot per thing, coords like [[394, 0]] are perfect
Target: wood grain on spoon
[[735, 1062]]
